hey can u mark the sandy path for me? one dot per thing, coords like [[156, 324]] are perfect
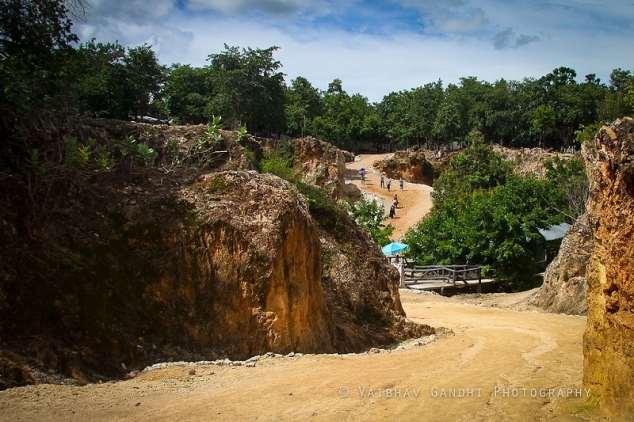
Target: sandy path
[[414, 199], [502, 361], [491, 350]]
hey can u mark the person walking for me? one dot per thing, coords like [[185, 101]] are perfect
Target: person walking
[[382, 182], [389, 182], [392, 211], [400, 182]]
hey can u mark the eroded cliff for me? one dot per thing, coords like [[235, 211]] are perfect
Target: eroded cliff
[[146, 264], [565, 287], [608, 344], [411, 165]]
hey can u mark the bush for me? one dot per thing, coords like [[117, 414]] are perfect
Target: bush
[[370, 215], [484, 214]]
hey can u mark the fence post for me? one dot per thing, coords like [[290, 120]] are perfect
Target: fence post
[[479, 281]]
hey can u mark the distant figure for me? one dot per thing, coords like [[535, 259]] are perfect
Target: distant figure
[[382, 182], [400, 182], [389, 182], [392, 211], [395, 201]]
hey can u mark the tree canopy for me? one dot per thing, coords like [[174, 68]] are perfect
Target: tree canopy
[[42, 64], [484, 213]]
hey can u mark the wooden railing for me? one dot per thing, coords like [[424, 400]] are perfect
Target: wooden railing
[[447, 273]]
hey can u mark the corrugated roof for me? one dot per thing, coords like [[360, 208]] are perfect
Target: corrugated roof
[[555, 232]]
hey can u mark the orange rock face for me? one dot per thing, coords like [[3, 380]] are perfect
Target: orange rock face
[[609, 337]]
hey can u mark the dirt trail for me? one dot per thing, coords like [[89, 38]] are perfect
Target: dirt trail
[[499, 361], [498, 365], [414, 200]]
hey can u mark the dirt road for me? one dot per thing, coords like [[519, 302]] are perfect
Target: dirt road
[[414, 200], [498, 360], [499, 364]]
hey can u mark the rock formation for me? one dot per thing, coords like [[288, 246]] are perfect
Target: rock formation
[[564, 289], [141, 267], [530, 161], [318, 163], [411, 166], [608, 340]]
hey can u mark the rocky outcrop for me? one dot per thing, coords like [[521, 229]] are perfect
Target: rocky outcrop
[[411, 166], [362, 290], [564, 289], [425, 166], [317, 162], [608, 346], [321, 164], [530, 161], [143, 267]]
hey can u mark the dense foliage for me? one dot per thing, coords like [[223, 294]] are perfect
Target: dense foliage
[[485, 214], [40, 68], [370, 215]]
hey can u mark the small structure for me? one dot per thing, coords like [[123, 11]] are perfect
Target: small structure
[[554, 235]]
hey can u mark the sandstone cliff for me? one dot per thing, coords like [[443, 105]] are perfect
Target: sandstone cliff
[[425, 166], [565, 287], [411, 166], [608, 345], [209, 260], [530, 161], [318, 163]]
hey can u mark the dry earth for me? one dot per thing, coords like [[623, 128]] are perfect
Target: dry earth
[[497, 359], [497, 364], [414, 200]]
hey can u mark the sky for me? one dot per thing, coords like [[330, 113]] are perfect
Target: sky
[[379, 47]]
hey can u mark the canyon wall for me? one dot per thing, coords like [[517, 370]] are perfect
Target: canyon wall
[[608, 340], [565, 286]]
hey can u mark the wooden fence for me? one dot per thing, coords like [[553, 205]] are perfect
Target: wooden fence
[[447, 273]]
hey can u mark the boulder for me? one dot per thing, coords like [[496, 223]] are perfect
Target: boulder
[[564, 289]]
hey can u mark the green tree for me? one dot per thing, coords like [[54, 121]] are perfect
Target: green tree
[[248, 89], [334, 123], [370, 215], [303, 104], [478, 167], [395, 111], [144, 79], [568, 182], [543, 121], [505, 117], [35, 38], [188, 91], [451, 120], [98, 85], [483, 213]]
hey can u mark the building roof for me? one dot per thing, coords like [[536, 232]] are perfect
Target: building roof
[[555, 232]]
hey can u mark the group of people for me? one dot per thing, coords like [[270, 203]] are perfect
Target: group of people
[[388, 185]]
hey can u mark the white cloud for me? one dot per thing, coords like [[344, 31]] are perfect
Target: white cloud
[[508, 39], [452, 16], [233, 7], [136, 11], [489, 39], [467, 22]]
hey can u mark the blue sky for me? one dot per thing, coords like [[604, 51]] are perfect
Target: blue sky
[[378, 47]]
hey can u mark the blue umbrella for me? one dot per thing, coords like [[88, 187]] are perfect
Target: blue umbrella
[[393, 248]]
